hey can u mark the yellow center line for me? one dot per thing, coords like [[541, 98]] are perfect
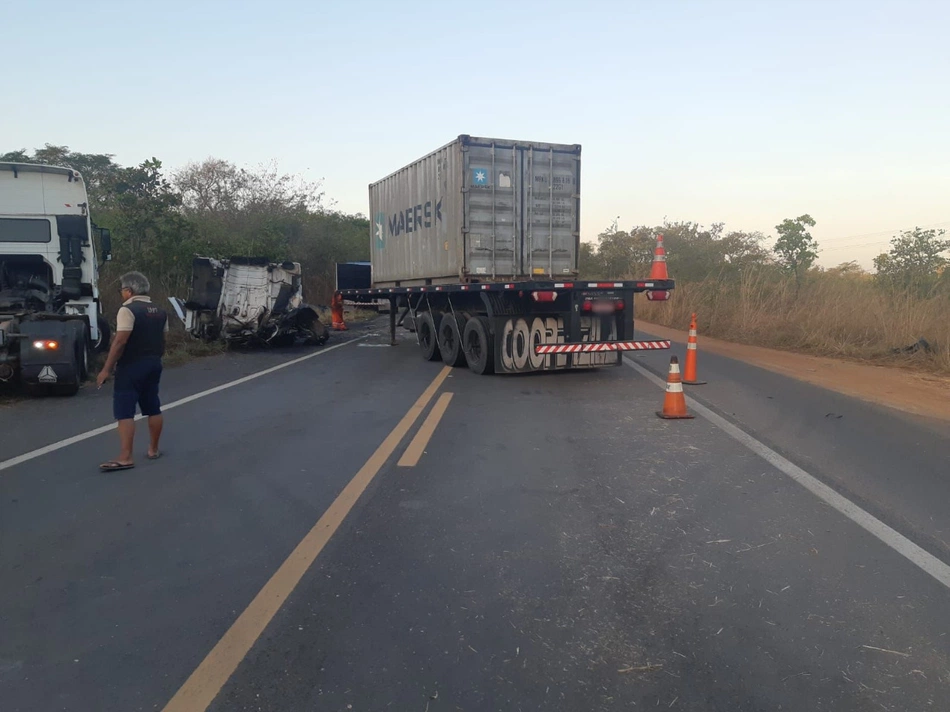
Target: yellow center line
[[209, 677], [413, 453]]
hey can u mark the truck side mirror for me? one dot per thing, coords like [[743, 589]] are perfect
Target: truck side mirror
[[105, 237]]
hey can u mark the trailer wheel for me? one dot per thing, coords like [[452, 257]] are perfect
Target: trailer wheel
[[450, 339], [427, 337], [478, 347]]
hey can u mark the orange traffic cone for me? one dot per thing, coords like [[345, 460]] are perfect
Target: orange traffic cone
[[674, 404], [336, 310], [658, 271], [689, 374]]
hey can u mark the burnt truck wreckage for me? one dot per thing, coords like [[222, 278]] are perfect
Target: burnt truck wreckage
[[249, 301]]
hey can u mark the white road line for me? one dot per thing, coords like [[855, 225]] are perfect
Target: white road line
[[898, 542], [33, 454]]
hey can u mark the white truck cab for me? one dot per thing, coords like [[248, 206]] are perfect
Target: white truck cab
[[50, 314]]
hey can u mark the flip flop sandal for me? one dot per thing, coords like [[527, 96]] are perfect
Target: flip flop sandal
[[113, 466], [155, 456]]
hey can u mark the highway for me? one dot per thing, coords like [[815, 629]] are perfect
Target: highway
[[353, 528]]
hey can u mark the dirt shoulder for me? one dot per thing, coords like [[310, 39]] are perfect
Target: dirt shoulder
[[902, 389]]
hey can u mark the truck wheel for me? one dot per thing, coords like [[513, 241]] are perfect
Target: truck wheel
[[478, 347], [427, 337], [69, 390], [450, 339], [80, 366], [105, 331], [82, 354]]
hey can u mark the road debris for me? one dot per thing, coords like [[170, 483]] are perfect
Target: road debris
[[649, 667], [885, 650]]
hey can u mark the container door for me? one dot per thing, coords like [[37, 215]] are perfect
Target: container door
[[551, 219], [492, 186]]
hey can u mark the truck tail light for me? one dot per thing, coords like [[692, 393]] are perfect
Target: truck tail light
[[618, 305], [544, 296], [46, 345]]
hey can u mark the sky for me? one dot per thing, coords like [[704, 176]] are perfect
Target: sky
[[744, 112]]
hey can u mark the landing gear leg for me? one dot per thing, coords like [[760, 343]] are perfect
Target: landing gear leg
[[392, 321]]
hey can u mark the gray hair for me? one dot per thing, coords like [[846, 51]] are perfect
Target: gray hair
[[135, 282]]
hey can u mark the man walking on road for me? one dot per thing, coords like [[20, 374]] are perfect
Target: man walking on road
[[136, 354]]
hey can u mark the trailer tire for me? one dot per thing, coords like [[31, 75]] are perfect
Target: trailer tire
[[478, 347], [82, 354], [450, 339], [428, 339], [80, 364], [105, 332]]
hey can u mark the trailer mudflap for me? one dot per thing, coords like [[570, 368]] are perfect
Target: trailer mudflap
[[48, 352]]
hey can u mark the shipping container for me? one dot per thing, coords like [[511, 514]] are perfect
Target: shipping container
[[475, 248], [478, 210]]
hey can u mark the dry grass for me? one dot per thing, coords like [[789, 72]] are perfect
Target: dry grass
[[844, 317], [180, 348]]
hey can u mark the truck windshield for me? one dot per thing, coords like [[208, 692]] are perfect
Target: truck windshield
[[24, 230]]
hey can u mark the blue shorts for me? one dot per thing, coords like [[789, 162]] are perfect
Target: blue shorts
[[136, 383]]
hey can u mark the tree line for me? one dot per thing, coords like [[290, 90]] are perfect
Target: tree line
[[915, 264], [160, 220]]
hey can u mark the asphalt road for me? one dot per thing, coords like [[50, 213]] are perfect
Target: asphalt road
[[555, 547]]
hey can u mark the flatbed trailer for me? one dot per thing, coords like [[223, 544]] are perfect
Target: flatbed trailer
[[519, 327]]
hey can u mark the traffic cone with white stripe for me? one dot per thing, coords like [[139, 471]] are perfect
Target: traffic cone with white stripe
[[336, 312], [689, 374], [658, 271], [674, 404]]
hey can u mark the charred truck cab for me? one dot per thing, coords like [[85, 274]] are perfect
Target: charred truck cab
[[50, 315], [249, 301]]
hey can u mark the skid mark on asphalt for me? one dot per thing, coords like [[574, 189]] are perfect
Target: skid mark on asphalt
[[214, 671]]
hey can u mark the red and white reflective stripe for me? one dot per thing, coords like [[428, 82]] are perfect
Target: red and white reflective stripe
[[604, 285], [543, 349], [563, 285]]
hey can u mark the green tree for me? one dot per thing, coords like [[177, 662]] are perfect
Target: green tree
[[914, 262], [150, 233], [588, 262], [625, 254], [797, 250], [246, 212]]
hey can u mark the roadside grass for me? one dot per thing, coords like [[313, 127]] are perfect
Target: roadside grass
[[846, 317], [180, 348]]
